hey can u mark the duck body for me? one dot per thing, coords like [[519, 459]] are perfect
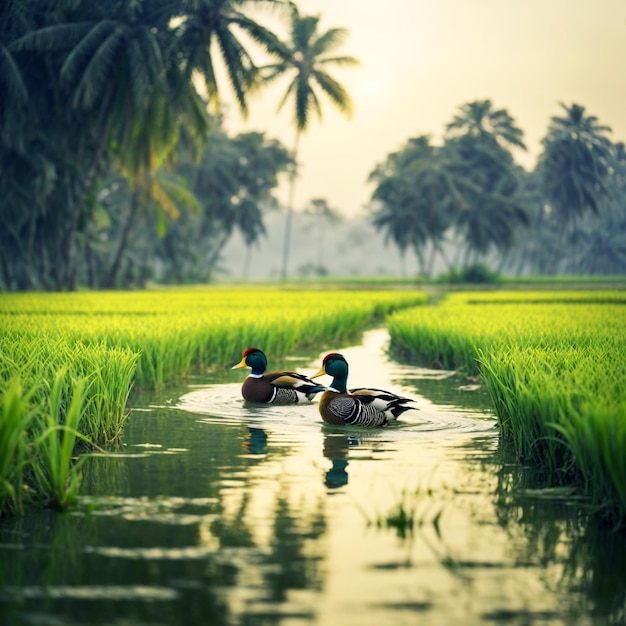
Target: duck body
[[362, 406], [280, 387]]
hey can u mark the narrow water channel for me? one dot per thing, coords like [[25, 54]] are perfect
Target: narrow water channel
[[215, 513]]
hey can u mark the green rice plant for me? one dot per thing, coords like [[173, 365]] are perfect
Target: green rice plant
[[57, 475], [596, 436], [554, 365], [108, 373], [177, 330], [15, 421]]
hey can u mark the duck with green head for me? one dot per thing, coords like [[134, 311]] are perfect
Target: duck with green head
[[356, 407], [281, 387]]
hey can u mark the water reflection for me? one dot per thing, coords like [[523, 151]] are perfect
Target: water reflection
[[336, 449], [255, 440], [555, 530]]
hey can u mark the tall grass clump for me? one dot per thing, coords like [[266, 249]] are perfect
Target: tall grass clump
[[52, 395], [554, 365], [15, 420], [57, 431]]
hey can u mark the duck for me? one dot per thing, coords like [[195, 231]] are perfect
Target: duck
[[362, 406], [281, 387]]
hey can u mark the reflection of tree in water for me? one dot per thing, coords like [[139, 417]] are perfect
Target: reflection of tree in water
[[557, 530], [294, 549], [286, 559]]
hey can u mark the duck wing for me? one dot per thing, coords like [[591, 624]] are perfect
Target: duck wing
[[352, 410], [391, 404], [293, 386]]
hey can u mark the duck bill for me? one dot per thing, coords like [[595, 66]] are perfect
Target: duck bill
[[320, 373], [239, 365]]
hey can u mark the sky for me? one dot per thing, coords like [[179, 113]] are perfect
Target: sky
[[423, 59]]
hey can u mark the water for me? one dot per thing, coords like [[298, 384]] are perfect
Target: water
[[217, 513]]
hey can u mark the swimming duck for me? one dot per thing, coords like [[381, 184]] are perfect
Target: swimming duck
[[282, 387], [357, 407]]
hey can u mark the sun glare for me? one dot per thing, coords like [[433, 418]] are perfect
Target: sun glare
[[373, 84]]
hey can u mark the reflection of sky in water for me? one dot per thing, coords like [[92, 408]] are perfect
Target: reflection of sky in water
[[216, 512]]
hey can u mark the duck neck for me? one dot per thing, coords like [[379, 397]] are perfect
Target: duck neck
[[339, 384]]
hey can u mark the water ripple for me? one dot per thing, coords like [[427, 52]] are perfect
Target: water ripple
[[219, 403]]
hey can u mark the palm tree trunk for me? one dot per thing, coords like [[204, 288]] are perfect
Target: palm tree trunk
[[109, 281], [288, 219]]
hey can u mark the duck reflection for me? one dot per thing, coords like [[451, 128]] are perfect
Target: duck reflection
[[336, 449], [255, 440]]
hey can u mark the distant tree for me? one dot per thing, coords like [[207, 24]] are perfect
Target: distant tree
[[477, 149], [324, 216], [480, 120], [415, 199], [575, 168], [234, 182], [305, 57], [218, 25]]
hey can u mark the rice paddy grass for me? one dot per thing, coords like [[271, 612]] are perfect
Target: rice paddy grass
[[554, 364], [68, 362]]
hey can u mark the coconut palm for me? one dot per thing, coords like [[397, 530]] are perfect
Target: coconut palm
[[416, 199], [575, 164], [305, 59], [477, 147], [479, 119], [218, 25]]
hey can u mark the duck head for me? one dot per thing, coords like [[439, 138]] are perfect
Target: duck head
[[335, 365], [255, 359]]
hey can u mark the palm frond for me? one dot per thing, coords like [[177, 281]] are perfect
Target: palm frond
[[11, 77], [58, 37], [80, 55], [96, 73], [335, 91]]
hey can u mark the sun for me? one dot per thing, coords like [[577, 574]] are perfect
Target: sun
[[373, 84]]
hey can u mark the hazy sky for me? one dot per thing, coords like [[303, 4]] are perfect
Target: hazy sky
[[422, 59]]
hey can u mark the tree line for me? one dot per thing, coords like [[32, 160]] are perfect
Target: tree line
[[114, 164], [116, 169], [467, 197]]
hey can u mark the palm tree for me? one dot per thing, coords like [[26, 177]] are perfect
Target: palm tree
[[306, 56], [116, 85], [477, 146], [416, 199], [479, 119], [575, 166], [216, 25]]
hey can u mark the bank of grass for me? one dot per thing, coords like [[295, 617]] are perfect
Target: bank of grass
[[68, 361], [554, 364]]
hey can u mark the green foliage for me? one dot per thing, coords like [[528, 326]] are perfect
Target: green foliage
[[467, 188], [15, 419], [554, 365], [478, 274], [58, 424], [91, 90], [575, 163], [304, 59]]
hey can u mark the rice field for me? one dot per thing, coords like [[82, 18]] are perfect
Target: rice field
[[554, 364], [69, 361]]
